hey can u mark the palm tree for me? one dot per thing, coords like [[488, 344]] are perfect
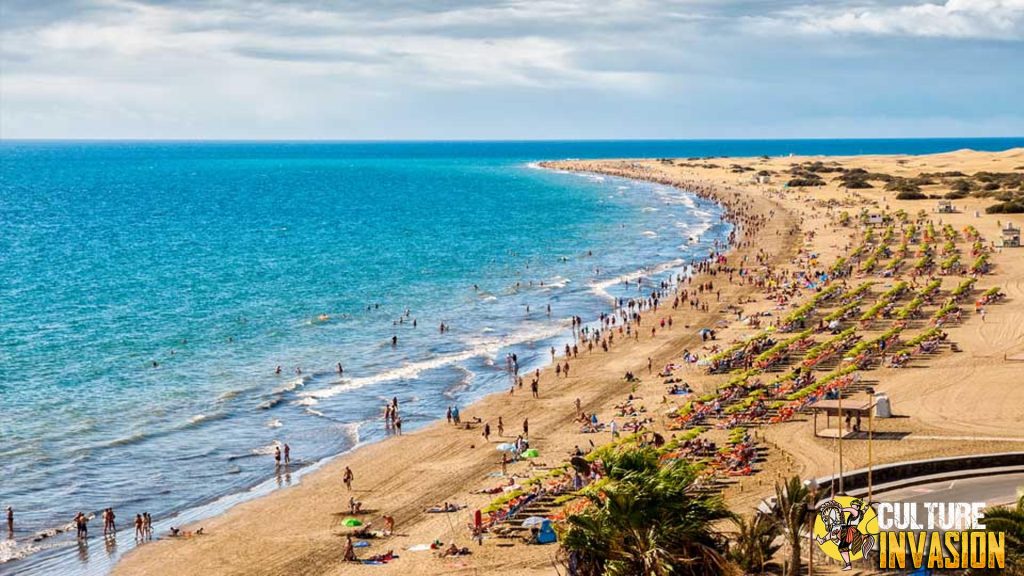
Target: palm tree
[[753, 543], [646, 520], [791, 513], [1011, 522]]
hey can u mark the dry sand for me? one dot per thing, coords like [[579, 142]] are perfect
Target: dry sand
[[976, 394]]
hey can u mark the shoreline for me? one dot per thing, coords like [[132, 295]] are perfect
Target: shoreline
[[223, 504]]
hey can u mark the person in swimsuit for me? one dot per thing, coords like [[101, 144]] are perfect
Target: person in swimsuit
[[348, 477], [350, 550]]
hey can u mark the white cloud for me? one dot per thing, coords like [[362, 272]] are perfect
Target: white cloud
[[956, 19], [174, 68]]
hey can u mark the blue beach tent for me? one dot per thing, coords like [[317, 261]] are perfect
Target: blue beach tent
[[546, 534]]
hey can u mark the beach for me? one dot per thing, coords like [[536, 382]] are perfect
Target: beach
[[949, 403]]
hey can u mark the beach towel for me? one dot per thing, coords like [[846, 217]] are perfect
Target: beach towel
[[441, 510]]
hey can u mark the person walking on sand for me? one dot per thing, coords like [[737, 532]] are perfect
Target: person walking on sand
[[501, 427], [526, 427], [448, 416], [348, 477], [389, 525], [535, 388], [487, 432]]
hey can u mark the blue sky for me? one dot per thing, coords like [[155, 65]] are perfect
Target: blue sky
[[452, 69]]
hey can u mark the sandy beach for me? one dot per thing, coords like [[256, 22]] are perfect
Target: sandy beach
[[948, 402]]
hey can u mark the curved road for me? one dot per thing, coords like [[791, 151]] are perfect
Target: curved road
[[993, 490]]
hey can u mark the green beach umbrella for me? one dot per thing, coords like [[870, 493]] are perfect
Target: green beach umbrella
[[531, 453], [352, 522]]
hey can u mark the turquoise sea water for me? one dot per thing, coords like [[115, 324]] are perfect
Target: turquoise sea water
[[149, 290]]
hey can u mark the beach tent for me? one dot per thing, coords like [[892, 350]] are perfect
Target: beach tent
[[531, 453], [352, 522], [546, 534], [534, 521], [506, 447]]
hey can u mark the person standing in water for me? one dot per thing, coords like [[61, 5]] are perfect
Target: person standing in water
[[10, 522], [287, 454]]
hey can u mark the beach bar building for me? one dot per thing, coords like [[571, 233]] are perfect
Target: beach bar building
[[874, 219], [855, 410], [1011, 236], [945, 207]]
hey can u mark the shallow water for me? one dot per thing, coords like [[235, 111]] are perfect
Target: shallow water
[[150, 290]]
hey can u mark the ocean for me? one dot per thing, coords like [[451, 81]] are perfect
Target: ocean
[[150, 290]]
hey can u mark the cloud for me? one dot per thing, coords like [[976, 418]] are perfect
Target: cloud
[[955, 19], [373, 68]]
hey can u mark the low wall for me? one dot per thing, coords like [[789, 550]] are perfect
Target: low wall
[[904, 473]]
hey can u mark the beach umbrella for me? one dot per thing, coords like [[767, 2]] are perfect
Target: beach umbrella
[[352, 522], [580, 464], [506, 447], [531, 453], [533, 521]]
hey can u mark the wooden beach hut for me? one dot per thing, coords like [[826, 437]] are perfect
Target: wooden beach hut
[[856, 410]]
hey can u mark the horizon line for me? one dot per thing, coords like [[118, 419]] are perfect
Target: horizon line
[[492, 140]]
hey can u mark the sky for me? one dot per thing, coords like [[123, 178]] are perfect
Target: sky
[[512, 69]]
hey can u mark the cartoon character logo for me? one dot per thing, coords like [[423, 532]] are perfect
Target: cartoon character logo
[[844, 529]]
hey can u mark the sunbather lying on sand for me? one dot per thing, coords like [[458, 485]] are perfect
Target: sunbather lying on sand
[[454, 550], [447, 507], [381, 558]]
